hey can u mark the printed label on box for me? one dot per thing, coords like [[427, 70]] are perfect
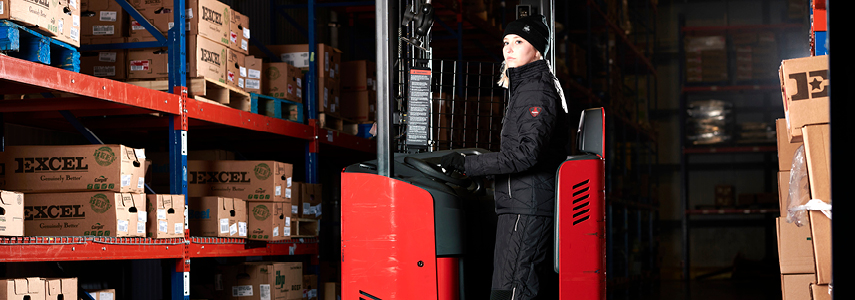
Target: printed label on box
[[253, 84], [162, 225], [108, 16], [107, 56], [139, 65], [103, 30], [104, 71], [241, 291]]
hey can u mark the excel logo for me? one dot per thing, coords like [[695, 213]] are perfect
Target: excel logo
[[210, 57], [810, 85], [212, 16]]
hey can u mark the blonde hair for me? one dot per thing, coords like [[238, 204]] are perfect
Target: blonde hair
[[503, 72]]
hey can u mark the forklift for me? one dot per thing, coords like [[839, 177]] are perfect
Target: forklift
[[410, 230]]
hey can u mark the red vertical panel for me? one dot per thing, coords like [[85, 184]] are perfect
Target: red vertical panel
[[582, 229], [388, 247], [448, 278]]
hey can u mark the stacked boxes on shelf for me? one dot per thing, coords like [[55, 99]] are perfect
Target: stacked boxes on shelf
[[359, 91], [39, 288], [59, 20], [804, 229], [306, 208], [706, 59], [329, 73], [260, 280], [241, 199]]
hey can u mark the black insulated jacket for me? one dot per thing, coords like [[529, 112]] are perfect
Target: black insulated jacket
[[534, 142]]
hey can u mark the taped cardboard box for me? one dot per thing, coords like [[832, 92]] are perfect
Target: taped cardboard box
[[11, 213], [61, 288], [115, 168], [210, 19], [268, 221], [795, 248], [206, 58], [820, 229], [217, 216], [282, 80], [817, 141], [783, 191], [103, 18], [165, 216], [786, 149], [245, 179], [104, 63], [30, 288], [29, 12], [796, 286], [329, 96], [157, 14], [804, 89], [239, 32], [328, 58], [264, 280], [85, 214], [103, 294], [148, 63], [67, 13]]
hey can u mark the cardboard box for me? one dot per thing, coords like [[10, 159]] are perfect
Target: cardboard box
[[103, 18], [160, 16], [804, 88], [796, 286], [786, 149], [206, 58], [817, 140], [11, 213], [783, 191], [358, 75], [795, 248], [264, 280], [239, 32], [105, 63], [67, 13], [104, 294], [820, 229], [282, 80], [31, 288], [245, 179], [332, 291], [310, 200], [210, 19], [92, 213], [31, 13], [305, 228], [217, 216], [358, 105], [328, 58], [268, 221], [149, 63], [310, 287], [75, 168], [235, 70], [165, 216], [61, 288], [820, 292], [329, 96], [253, 65]]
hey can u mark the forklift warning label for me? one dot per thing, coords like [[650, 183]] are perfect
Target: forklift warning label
[[418, 108]]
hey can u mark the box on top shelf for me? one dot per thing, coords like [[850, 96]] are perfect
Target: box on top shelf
[[75, 168], [85, 213], [804, 88], [104, 63], [210, 19], [12, 217], [32, 288], [244, 179], [68, 22], [282, 80], [217, 216], [36, 13], [165, 216], [104, 18], [268, 221], [239, 32], [206, 58], [157, 13], [60, 288]]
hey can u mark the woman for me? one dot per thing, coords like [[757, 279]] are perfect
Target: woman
[[534, 142]]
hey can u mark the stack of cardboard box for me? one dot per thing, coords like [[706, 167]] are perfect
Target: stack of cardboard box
[[359, 91], [86, 190], [804, 230], [59, 20], [241, 199], [306, 208], [706, 59], [287, 83], [39, 288], [259, 280]]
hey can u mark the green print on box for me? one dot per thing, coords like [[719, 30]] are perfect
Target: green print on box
[[100, 203], [104, 156], [262, 171], [97, 232], [261, 212]]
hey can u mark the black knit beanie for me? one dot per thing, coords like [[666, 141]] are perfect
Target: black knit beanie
[[533, 29]]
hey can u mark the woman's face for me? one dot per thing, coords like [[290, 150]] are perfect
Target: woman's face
[[518, 51]]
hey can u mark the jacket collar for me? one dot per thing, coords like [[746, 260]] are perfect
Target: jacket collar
[[530, 70]]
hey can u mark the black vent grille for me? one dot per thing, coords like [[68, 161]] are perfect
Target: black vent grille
[[581, 201]]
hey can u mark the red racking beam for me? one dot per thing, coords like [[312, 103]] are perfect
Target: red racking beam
[[78, 248], [230, 247]]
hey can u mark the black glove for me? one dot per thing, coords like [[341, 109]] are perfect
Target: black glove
[[452, 162]]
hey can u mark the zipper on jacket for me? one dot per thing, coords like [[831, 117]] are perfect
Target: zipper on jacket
[[517, 222], [509, 187]]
